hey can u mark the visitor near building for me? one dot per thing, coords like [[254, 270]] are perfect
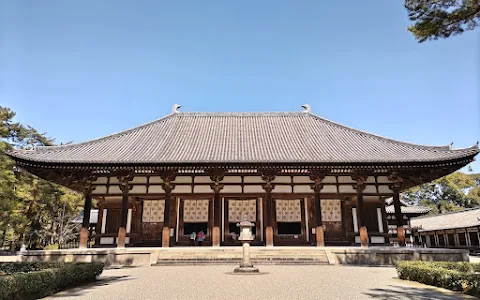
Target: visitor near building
[[201, 237], [193, 236]]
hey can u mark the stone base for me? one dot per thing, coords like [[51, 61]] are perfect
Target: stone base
[[216, 237], [166, 237], [372, 256], [320, 236], [246, 270], [122, 234], [269, 236], [83, 238], [363, 236]]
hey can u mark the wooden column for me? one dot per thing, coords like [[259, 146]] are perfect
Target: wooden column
[[359, 187], [86, 219], [168, 186], [385, 224], [396, 186], [98, 227], [216, 177], [88, 187], [125, 187], [317, 177], [268, 186]]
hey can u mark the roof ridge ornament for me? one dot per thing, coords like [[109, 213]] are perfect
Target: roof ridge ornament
[[175, 108], [307, 108]]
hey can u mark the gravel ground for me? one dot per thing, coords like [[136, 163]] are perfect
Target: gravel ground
[[275, 282]]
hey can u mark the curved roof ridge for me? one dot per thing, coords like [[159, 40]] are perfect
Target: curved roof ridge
[[242, 114], [132, 129], [444, 148]]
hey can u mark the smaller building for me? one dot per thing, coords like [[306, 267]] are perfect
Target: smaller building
[[408, 211], [451, 230], [93, 222], [93, 218]]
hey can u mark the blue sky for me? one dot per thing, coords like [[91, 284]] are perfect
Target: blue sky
[[84, 69]]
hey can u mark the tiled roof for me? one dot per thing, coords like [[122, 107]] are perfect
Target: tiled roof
[[460, 219], [93, 217], [408, 209], [290, 137], [405, 207]]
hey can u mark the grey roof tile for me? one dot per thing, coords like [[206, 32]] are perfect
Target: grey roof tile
[[93, 217], [289, 137], [460, 219], [408, 209]]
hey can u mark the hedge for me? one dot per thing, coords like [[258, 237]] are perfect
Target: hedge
[[8, 268], [37, 280], [458, 276]]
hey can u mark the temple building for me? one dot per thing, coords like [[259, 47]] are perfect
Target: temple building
[[302, 179]]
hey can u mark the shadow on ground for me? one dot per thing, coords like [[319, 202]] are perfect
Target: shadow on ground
[[395, 292], [82, 289]]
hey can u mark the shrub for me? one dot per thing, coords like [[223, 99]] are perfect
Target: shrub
[[9, 268], [51, 247], [453, 276], [37, 280]]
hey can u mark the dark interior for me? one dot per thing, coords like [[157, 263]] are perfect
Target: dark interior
[[188, 228], [289, 228]]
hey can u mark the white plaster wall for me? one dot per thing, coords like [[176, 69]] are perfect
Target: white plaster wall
[[302, 179]]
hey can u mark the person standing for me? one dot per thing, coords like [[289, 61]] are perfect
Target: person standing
[[193, 236], [201, 237]]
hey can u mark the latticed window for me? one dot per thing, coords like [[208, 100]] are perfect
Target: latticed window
[[474, 238], [441, 240], [462, 239], [288, 216], [451, 240], [432, 240], [153, 211], [242, 210], [195, 216]]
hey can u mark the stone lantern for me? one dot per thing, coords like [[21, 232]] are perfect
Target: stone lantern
[[246, 237]]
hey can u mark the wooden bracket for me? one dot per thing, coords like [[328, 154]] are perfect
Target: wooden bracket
[[360, 179]]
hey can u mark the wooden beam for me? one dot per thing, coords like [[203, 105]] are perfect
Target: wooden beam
[[216, 186], [360, 179], [167, 186], [124, 180], [317, 177], [268, 176]]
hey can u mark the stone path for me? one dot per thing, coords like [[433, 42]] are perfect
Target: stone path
[[276, 282]]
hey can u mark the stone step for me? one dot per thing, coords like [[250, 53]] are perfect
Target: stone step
[[239, 256], [234, 256], [163, 262], [324, 258], [240, 252]]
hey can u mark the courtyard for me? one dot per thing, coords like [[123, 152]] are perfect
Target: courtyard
[[274, 282]]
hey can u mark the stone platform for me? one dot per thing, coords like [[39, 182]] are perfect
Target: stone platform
[[372, 256]]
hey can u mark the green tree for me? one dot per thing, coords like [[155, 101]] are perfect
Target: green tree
[[450, 193], [34, 210], [435, 19]]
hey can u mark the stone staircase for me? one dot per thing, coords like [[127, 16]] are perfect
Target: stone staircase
[[233, 255]]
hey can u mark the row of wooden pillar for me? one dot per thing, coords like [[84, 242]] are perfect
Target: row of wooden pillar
[[216, 186]]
